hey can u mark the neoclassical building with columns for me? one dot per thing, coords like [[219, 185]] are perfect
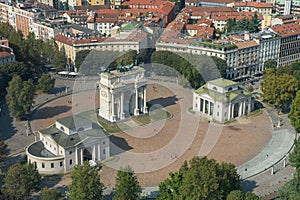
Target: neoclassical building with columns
[[68, 142], [222, 100], [122, 93]]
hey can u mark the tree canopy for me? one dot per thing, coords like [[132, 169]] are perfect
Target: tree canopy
[[127, 186], [278, 89], [85, 183], [240, 195], [291, 189], [31, 51], [20, 97], [51, 194], [3, 149], [251, 25], [271, 63], [46, 83], [294, 114], [20, 181], [80, 57], [217, 181]]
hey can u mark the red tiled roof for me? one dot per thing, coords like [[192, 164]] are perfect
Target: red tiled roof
[[211, 1], [71, 41], [287, 29], [246, 44], [143, 2]]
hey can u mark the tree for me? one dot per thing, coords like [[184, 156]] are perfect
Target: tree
[[85, 183], [221, 65], [235, 195], [271, 63], [20, 181], [251, 196], [217, 181], [13, 91], [46, 83], [127, 186], [52, 194], [3, 149], [20, 97], [80, 57], [278, 89], [59, 60], [294, 114]]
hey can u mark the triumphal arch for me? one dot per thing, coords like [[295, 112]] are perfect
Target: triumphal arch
[[122, 93]]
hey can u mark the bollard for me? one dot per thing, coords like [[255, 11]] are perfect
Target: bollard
[[272, 170]]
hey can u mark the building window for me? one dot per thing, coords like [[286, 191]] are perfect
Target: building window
[[218, 114], [103, 142], [71, 161], [61, 152], [52, 165], [103, 151], [54, 148], [70, 152], [43, 165], [60, 163]]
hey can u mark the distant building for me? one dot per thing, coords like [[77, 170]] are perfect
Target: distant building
[[132, 40], [69, 142], [6, 53], [209, 3], [286, 7], [122, 93], [222, 100]]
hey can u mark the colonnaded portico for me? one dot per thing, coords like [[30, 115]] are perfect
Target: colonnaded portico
[[122, 93], [222, 100]]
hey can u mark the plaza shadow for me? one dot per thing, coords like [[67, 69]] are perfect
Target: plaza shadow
[[164, 101], [118, 145], [48, 112]]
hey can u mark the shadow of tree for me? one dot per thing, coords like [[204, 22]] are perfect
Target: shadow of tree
[[248, 185], [48, 112], [7, 128]]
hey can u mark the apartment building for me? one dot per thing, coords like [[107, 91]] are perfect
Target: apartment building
[[248, 6], [289, 43], [269, 48], [135, 40], [209, 3], [287, 7]]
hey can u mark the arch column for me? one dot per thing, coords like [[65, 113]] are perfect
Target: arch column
[[122, 106], [145, 100], [112, 105], [136, 109]]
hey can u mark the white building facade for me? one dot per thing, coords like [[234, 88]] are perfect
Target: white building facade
[[222, 100], [122, 93], [69, 142]]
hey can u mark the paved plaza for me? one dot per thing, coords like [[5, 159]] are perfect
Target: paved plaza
[[164, 145]]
